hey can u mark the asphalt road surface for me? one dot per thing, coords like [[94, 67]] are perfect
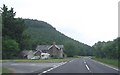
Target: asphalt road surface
[[82, 66], [28, 67]]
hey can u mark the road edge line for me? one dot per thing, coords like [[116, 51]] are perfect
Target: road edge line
[[106, 65]]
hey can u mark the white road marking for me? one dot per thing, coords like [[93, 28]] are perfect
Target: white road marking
[[88, 68], [50, 69], [106, 65], [84, 62], [71, 61], [54, 66], [44, 71]]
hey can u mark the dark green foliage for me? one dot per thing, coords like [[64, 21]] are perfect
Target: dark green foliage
[[0, 36], [118, 39], [12, 33], [43, 33], [70, 49], [107, 49], [10, 48]]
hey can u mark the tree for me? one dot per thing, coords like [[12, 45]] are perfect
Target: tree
[[7, 21], [109, 49], [12, 29], [10, 49], [70, 49]]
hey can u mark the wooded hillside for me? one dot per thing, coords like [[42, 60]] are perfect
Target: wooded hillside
[[25, 34], [43, 33]]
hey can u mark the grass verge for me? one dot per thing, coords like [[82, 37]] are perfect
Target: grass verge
[[113, 62], [40, 60]]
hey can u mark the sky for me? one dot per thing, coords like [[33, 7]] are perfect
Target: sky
[[87, 21]]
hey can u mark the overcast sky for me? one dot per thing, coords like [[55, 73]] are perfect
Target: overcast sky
[[87, 21]]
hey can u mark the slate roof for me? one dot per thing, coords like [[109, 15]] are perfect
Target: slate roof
[[46, 47], [24, 53]]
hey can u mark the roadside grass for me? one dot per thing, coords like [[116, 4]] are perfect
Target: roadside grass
[[39, 61], [112, 62]]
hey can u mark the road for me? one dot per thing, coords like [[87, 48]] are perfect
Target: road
[[82, 66], [28, 67]]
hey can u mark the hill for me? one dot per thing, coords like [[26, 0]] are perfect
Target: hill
[[43, 33]]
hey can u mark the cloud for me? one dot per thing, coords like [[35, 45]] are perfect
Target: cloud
[[88, 21]]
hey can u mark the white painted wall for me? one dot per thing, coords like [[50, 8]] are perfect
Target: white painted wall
[[45, 55], [30, 54]]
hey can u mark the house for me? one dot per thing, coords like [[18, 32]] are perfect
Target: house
[[55, 51], [40, 55], [24, 53], [44, 52], [30, 54], [34, 55]]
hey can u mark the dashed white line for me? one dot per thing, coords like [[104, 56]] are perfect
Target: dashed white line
[[50, 69], [84, 62], [44, 71], [87, 67], [54, 66], [71, 61]]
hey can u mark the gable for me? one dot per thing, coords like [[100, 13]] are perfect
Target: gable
[[37, 53], [47, 47]]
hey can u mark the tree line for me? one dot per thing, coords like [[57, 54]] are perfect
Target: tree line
[[109, 49]]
